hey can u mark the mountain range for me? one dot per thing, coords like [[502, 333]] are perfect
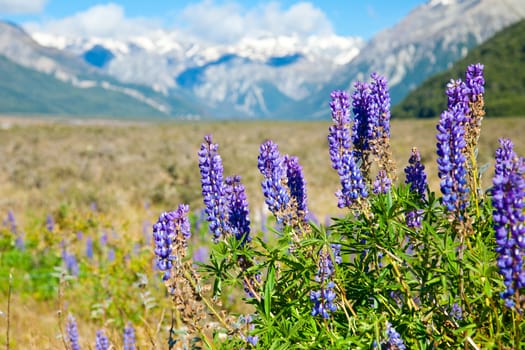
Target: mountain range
[[165, 74]]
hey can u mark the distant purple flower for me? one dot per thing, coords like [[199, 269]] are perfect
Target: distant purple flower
[[170, 233], [213, 191], [382, 183], [238, 211], [102, 342], [508, 201], [10, 222], [451, 160], [89, 248], [416, 176], [129, 337], [104, 239], [201, 254], [72, 333], [50, 223], [111, 255], [393, 341], [246, 322]]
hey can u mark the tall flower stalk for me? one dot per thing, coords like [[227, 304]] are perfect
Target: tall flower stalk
[[508, 200], [353, 187]]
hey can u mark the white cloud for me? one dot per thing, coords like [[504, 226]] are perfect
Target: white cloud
[[222, 23], [106, 20], [21, 6], [229, 21]]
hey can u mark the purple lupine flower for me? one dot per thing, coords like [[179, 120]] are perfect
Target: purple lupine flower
[[382, 183], [508, 200], [352, 182], [111, 255], [89, 248], [323, 299], [456, 312], [10, 222], [451, 160], [213, 192], [343, 161], [50, 223], [414, 218], [475, 81], [364, 121], [104, 239], [272, 167], [458, 96], [416, 175], [246, 322], [170, 234], [129, 338], [72, 333], [393, 341], [381, 105], [71, 264], [201, 254], [101, 342], [238, 211], [297, 185]]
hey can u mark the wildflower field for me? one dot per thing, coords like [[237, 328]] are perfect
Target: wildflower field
[[358, 233]]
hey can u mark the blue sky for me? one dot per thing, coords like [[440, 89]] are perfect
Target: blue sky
[[343, 17]]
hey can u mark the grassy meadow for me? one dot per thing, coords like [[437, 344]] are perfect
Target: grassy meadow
[[115, 178]]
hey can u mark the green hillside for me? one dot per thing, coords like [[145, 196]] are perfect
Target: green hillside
[[25, 91], [504, 58]]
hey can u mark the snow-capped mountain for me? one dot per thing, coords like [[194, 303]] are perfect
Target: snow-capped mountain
[[20, 48], [428, 40], [251, 78]]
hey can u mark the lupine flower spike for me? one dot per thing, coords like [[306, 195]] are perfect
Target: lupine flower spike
[[72, 333], [213, 191], [129, 338], [353, 189], [324, 298], [508, 200], [102, 342], [417, 179], [393, 341]]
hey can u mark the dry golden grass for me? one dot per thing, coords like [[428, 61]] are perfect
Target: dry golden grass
[[123, 166]]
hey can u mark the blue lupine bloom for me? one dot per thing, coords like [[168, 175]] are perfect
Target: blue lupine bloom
[[458, 96], [364, 120], [394, 341], [213, 191], [89, 248], [129, 337], [380, 106], [170, 235], [297, 185], [111, 255], [101, 342], [72, 333], [343, 160], [451, 160], [11, 222], [508, 200], [416, 176], [382, 183], [324, 298], [271, 165], [456, 312], [414, 218], [475, 81], [50, 223], [238, 211]]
